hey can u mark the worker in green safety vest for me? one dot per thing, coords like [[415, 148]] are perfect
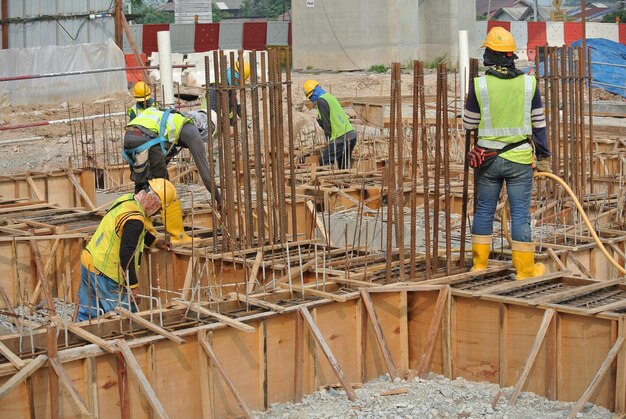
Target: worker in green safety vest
[[505, 106], [336, 125]]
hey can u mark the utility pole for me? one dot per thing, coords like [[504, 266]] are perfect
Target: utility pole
[[119, 27]]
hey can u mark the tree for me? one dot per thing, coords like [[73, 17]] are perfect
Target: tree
[[270, 9], [612, 17], [218, 14]]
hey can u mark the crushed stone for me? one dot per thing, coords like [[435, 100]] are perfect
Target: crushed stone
[[433, 397]]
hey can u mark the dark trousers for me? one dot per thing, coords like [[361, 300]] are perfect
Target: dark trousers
[[339, 151], [154, 167]]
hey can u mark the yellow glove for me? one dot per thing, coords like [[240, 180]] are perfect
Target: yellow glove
[[544, 165]]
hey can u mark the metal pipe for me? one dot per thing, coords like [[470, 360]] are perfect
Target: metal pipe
[[81, 72]]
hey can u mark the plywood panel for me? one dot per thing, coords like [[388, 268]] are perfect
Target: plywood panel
[[522, 326], [420, 312], [108, 385], [280, 355], [390, 312], [337, 322], [584, 343], [15, 404], [241, 355], [477, 345]]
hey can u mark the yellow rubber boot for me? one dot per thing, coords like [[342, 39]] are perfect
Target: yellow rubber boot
[[481, 245], [524, 260], [173, 219]]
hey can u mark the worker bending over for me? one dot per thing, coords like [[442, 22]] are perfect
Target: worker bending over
[[142, 93], [150, 142], [334, 121], [113, 254], [505, 105]]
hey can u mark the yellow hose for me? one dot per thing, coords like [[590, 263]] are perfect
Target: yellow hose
[[505, 228]]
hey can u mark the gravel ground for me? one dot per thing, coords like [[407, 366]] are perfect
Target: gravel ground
[[434, 397], [37, 315]]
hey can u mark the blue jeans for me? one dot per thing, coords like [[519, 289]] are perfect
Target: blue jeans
[[99, 294], [519, 183], [339, 150]]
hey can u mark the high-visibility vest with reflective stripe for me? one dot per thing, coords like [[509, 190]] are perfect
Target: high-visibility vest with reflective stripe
[[151, 119], [104, 246], [339, 123], [505, 114]]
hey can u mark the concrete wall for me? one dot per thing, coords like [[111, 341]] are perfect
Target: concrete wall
[[356, 34]]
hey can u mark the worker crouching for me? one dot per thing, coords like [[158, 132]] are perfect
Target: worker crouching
[[151, 140], [505, 106], [111, 259]]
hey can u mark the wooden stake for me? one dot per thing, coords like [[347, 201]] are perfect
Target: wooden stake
[[598, 377], [433, 330], [53, 379], [254, 271], [226, 320], [122, 386], [13, 359], [80, 189], [380, 337], [22, 375], [42, 277], [532, 355], [132, 363], [242, 403], [35, 296], [317, 334], [149, 325], [69, 386]]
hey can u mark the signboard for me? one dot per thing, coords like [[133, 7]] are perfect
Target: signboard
[[310, 3], [557, 16]]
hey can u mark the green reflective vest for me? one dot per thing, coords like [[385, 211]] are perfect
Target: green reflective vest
[[505, 106], [151, 119], [339, 123], [104, 246]]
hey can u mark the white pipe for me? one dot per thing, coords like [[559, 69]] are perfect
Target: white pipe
[[463, 63], [165, 66]]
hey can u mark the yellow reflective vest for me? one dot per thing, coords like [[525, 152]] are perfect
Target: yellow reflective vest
[[151, 119], [104, 246]]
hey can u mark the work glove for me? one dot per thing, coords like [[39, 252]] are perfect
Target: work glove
[[544, 165]]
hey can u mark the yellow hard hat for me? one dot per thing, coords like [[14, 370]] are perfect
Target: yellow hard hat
[[309, 86], [141, 91], [164, 190], [499, 39], [246, 70]]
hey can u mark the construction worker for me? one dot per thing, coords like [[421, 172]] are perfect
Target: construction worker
[[142, 93], [505, 106], [334, 121], [151, 140], [110, 260]]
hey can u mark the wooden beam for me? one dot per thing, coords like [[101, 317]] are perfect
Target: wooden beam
[[579, 265], [35, 297], [254, 271], [133, 46], [89, 337], [188, 278], [258, 303], [147, 390], [41, 275], [69, 386], [433, 330], [380, 337], [620, 376], [11, 357], [80, 189], [22, 375], [575, 292], [298, 378], [231, 386], [220, 317], [33, 187], [317, 334], [556, 259], [53, 379], [532, 355], [149, 325], [315, 292], [598, 377], [122, 386]]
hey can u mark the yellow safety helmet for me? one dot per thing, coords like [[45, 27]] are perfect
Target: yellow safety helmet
[[309, 86], [499, 39], [164, 190], [246, 71], [141, 91]]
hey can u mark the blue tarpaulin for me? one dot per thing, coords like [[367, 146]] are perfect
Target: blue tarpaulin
[[608, 64]]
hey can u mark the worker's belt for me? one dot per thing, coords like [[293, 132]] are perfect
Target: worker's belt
[[130, 155], [482, 157]]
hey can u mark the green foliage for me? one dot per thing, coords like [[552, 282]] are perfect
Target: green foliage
[[610, 17], [152, 15], [218, 14], [378, 68], [442, 59], [481, 18], [270, 9]]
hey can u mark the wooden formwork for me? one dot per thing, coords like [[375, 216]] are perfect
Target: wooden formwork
[[485, 333], [66, 188]]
